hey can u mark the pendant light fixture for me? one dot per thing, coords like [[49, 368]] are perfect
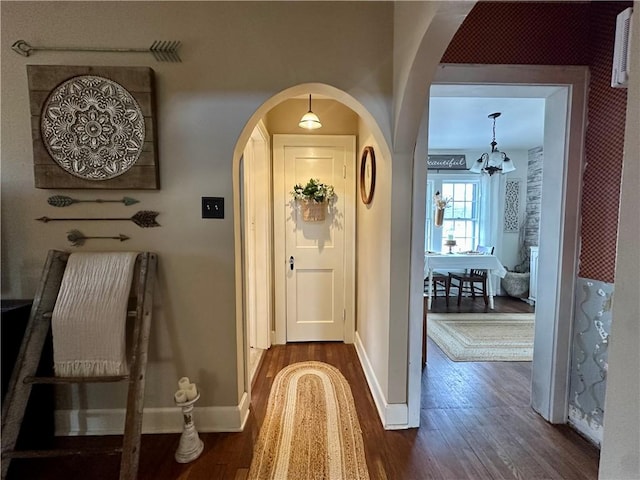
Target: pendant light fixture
[[310, 120], [495, 161]]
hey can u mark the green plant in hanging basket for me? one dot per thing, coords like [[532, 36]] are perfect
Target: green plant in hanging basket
[[314, 190]]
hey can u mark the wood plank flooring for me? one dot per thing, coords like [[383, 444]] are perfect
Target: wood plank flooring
[[476, 423], [503, 304]]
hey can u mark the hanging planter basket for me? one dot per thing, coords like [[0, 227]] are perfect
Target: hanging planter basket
[[313, 211], [440, 204]]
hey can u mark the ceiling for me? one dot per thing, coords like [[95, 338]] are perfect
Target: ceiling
[[458, 116]]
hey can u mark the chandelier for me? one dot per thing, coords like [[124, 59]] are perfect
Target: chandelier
[[495, 161]]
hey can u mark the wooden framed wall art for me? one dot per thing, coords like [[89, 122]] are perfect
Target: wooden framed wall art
[[93, 127]]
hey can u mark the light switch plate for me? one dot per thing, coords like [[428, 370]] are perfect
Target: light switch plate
[[212, 207]]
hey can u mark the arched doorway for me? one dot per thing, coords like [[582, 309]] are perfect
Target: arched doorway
[[366, 123]]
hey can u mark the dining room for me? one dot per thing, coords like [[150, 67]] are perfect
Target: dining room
[[483, 206]]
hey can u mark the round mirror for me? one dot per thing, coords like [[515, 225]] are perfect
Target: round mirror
[[367, 175]]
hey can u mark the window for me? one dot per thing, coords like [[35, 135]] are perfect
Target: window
[[461, 217]]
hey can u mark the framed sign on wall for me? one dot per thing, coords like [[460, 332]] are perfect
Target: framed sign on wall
[[446, 162], [93, 127]]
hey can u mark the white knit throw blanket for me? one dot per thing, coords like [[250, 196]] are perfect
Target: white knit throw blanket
[[89, 318]]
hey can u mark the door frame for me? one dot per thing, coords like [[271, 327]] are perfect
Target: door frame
[[257, 243], [561, 187], [281, 201]]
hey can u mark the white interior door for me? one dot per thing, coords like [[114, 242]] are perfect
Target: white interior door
[[316, 258]]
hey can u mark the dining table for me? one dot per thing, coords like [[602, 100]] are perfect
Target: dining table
[[462, 261]]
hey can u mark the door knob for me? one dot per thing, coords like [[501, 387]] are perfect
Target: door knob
[[291, 262]]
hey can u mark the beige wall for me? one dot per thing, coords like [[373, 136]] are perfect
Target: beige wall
[[235, 56], [373, 263], [237, 59], [422, 31]]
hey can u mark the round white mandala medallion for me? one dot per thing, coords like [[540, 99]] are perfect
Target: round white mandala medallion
[[92, 127]]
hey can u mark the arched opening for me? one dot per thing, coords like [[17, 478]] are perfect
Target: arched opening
[[366, 123]]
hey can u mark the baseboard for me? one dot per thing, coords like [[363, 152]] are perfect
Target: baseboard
[[394, 416], [154, 420]]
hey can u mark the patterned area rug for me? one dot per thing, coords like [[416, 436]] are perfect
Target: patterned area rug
[[311, 430], [483, 337]]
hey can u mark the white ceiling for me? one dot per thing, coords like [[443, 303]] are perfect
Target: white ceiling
[[458, 116]]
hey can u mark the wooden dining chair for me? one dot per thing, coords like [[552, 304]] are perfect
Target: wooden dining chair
[[472, 281], [439, 280]]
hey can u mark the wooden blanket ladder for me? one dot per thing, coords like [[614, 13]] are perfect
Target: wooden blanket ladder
[[25, 373]]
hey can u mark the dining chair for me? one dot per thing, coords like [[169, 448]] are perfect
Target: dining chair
[[472, 281], [439, 280]]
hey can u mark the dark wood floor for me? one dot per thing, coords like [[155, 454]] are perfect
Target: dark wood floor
[[503, 304], [476, 423]]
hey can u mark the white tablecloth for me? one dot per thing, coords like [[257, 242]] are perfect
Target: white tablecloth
[[461, 261]]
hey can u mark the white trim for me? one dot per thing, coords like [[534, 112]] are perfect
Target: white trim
[[394, 416], [258, 250], [263, 236], [154, 420], [249, 242]]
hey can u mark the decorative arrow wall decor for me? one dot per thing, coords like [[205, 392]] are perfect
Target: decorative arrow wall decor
[[143, 218], [64, 201], [162, 50], [77, 238]]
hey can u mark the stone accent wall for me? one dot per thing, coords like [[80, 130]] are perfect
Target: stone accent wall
[[534, 195]]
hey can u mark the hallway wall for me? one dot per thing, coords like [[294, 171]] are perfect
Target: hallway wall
[[373, 269], [204, 103]]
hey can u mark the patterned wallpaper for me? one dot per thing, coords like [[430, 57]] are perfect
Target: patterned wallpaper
[[522, 32], [554, 33], [604, 150], [589, 357]]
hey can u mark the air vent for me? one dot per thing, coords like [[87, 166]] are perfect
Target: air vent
[[621, 53]]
